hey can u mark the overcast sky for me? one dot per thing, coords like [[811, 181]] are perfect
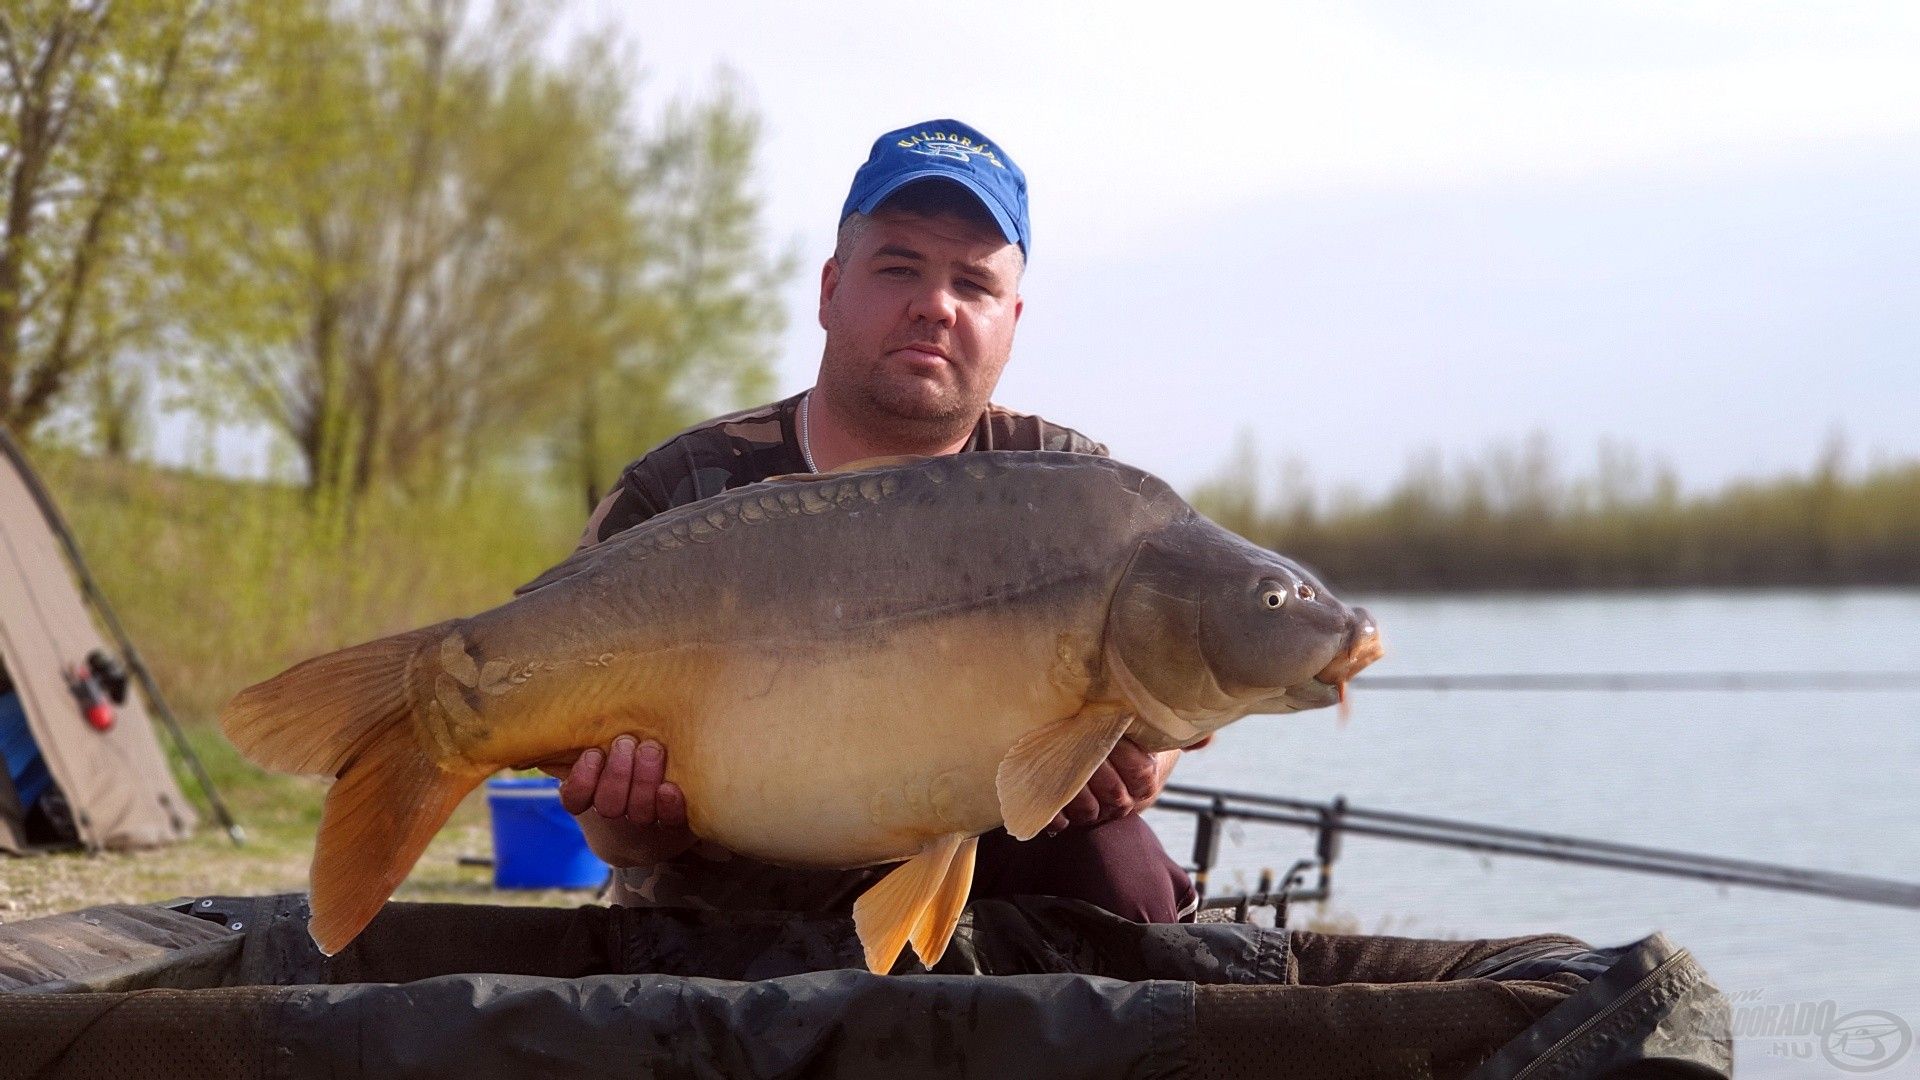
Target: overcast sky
[[1358, 230]]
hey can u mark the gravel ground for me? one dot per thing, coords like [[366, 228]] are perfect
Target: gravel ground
[[273, 861], [281, 814]]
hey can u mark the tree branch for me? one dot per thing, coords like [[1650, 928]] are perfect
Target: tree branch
[[10, 52]]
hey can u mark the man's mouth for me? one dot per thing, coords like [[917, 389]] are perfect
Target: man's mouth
[[924, 352]]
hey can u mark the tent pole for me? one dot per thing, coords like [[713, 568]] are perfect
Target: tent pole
[[134, 663]]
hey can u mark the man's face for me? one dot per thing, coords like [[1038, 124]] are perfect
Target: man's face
[[919, 320]]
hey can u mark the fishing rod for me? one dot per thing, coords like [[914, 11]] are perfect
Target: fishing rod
[[1212, 807], [1657, 681]]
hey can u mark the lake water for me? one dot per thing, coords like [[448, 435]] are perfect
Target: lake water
[[1820, 779]]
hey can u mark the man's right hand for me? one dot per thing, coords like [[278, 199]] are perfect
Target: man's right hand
[[632, 815]]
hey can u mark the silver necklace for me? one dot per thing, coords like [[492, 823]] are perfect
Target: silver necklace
[[806, 445]]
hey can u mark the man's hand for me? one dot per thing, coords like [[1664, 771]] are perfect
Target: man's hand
[[1129, 780], [632, 815]]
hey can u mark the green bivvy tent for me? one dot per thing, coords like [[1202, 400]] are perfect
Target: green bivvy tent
[[108, 775], [232, 988]]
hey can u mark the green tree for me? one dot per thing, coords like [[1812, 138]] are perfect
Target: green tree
[[103, 105], [1233, 495], [425, 245], [685, 301], [349, 221], [117, 405]]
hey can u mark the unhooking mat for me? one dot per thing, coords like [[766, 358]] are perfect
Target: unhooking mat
[[231, 987]]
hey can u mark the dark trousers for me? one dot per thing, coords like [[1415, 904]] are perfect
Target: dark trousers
[[1119, 865]]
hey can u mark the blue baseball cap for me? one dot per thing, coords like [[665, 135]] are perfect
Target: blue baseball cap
[[945, 150]]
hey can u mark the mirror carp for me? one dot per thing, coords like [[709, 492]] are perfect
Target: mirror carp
[[848, 669]]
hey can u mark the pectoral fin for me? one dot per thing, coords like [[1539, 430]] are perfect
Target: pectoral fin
[[896, 909], [1044, 770], [1149, 708]]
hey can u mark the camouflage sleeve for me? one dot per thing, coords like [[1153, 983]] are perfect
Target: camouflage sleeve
[[700, 462], [1075, 443], [623, 508], [1067, 440], [1004, 429], [1061, 437]]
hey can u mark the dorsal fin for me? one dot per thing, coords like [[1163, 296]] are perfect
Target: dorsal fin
[[585, 557], [569, 566]]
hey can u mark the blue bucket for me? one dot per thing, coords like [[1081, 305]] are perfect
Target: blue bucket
[[536, 843]]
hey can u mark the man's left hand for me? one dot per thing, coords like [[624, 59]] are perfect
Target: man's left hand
[[1129, 780]]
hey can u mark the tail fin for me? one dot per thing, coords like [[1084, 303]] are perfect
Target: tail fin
[[349, 714], [380, 814], [315, 716]]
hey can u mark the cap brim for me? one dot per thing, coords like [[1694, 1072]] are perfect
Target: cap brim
[[1000, 216]]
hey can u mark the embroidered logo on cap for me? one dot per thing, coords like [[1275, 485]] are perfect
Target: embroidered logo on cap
[[953, 147]]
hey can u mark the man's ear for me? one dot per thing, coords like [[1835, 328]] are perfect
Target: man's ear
[[1019, 305], [829, 281]]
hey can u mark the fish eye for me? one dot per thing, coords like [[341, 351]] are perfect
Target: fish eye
[[1305, 590], [1273, 597]]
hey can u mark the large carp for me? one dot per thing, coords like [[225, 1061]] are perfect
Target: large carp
[[847, 669]]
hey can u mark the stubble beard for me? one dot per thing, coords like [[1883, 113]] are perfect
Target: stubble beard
[[890, 408]]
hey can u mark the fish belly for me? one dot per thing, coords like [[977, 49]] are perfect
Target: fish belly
[[860, 752]]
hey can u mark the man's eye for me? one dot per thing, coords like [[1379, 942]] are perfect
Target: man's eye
[[897, 271]]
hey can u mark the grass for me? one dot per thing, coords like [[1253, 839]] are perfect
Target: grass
[[222, 583], [280, 815]]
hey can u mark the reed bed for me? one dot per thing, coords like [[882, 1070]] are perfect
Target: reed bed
[[1509, 521]]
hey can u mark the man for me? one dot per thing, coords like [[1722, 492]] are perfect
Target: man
[[919, 302]]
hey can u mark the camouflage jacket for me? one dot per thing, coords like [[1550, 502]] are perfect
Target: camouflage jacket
[[729, 452], [748, 446]]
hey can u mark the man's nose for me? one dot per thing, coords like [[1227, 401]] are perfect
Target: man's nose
[[935, 302]]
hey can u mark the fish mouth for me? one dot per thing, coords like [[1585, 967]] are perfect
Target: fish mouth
[[1362, 648]]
